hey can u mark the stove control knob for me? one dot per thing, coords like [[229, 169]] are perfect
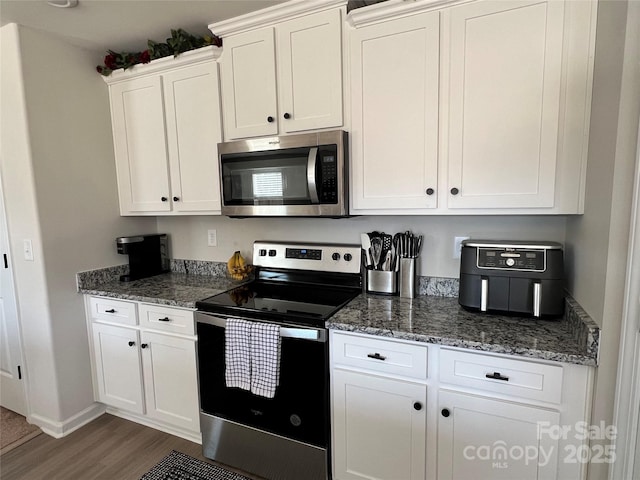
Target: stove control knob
[[336, 256], [262, 252], [348, 257], [272, 253], [510, 262]]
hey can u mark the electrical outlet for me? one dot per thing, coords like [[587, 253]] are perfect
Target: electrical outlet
[[212, 238], [28, 250], [457, 246]]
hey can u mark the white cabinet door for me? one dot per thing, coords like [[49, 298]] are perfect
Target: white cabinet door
[[310, 72], [394, 135], [481, 438], [503, 62], [249, 84], [140, 145], [118, 368], [379, 427], [193, 131], [170, 379]]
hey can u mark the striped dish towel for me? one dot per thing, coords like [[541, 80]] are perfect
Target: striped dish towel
[[265, 359], [237, 353]]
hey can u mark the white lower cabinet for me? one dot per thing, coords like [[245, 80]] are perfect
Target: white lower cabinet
[[379, 408], [454, 414], [483, 438], [379, 427], [118, 372], [170, 380], [147, 373]]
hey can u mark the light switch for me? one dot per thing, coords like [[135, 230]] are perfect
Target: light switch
[[28, 250], [212, 238]]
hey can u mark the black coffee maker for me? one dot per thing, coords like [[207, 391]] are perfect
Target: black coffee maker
[[148, 255]]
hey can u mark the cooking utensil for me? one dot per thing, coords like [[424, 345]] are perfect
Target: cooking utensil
[[376, 249], [387, 240], [366, 246]]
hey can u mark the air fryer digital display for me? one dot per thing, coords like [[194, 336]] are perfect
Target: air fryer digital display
[[512, 259]]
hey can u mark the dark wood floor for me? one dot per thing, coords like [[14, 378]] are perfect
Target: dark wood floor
[[108, 448]]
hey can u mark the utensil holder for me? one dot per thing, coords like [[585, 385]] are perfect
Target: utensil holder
[[382, 281], [407, 278]]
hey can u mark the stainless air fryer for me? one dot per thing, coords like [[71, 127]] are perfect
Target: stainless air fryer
[[516, 277]]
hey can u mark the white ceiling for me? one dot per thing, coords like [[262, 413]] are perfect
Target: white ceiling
[[124, 25]]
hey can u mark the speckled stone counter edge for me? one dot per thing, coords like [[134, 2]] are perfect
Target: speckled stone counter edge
[[584, 329], [90, 279], [434, 286]]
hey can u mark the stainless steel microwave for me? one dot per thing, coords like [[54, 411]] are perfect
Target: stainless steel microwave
[[293, 175]]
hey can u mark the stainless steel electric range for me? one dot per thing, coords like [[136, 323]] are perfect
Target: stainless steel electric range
[[297, 287]]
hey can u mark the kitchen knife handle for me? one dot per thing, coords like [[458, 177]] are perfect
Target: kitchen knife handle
[[484, 294]]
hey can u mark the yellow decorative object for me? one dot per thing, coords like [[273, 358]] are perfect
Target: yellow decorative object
[[237, 266]]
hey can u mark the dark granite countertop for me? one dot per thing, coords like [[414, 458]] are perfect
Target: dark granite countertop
[[432, 319], [441, 321], [172, 289]]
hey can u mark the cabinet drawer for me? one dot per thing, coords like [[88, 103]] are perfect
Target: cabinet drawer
[[114, 311], [385, 356], [535, 381], [167, 319]]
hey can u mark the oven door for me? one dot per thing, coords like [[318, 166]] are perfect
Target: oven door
[[299, 410]]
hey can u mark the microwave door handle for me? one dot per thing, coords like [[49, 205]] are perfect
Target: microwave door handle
[[311, 174]]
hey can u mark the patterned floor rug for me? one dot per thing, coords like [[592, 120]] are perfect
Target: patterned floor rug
[[179, 466], [14, 430]]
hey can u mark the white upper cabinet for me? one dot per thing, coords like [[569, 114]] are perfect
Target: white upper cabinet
[[166, 127], [310, 72], [139, 139], [503, 82], [282, 69], [394, 104], [249, 84], [470, 107]]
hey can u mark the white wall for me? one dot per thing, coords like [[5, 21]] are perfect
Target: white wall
[[189, 234], [598, 241], [59, 179]]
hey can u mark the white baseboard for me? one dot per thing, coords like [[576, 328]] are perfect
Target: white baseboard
[[61, 429], [178, 432]]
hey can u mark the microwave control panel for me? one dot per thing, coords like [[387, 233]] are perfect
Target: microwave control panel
[[512, 259], [328, 191]]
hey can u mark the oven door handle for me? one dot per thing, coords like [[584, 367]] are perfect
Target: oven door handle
[[313, 334]]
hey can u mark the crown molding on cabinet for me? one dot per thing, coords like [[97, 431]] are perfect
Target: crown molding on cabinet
[[390, 9], [271, 15], [210, 52]]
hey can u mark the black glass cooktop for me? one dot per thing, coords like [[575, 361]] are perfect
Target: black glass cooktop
[[283, 302]]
